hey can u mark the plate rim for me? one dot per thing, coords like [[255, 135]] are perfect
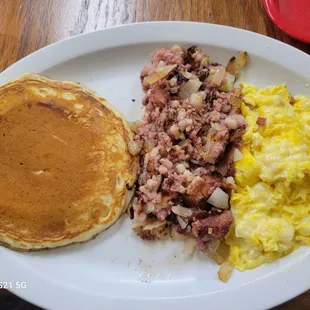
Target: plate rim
[[76, 300]]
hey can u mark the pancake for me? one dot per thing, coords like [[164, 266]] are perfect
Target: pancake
[[65, 170]]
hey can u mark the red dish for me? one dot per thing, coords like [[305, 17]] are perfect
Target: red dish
[[291, 16]]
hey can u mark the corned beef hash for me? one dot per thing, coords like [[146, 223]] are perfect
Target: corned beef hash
[[188, 142]]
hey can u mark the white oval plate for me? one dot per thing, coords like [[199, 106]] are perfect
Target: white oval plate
[[117, 270]]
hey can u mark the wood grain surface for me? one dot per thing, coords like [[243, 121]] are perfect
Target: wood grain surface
[[27, 25]]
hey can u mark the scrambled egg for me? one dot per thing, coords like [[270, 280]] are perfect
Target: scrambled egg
[[271, 202]]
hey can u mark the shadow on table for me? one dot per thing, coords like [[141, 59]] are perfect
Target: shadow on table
[[9, 301]]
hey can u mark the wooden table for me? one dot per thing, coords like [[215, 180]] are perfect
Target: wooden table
[[27, 25]]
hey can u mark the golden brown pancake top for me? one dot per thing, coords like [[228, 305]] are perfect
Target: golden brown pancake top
[[61, 152]]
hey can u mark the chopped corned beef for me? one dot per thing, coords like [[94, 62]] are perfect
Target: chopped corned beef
[[190, 128]]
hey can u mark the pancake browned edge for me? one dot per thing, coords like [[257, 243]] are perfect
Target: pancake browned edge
[[65, 170]]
